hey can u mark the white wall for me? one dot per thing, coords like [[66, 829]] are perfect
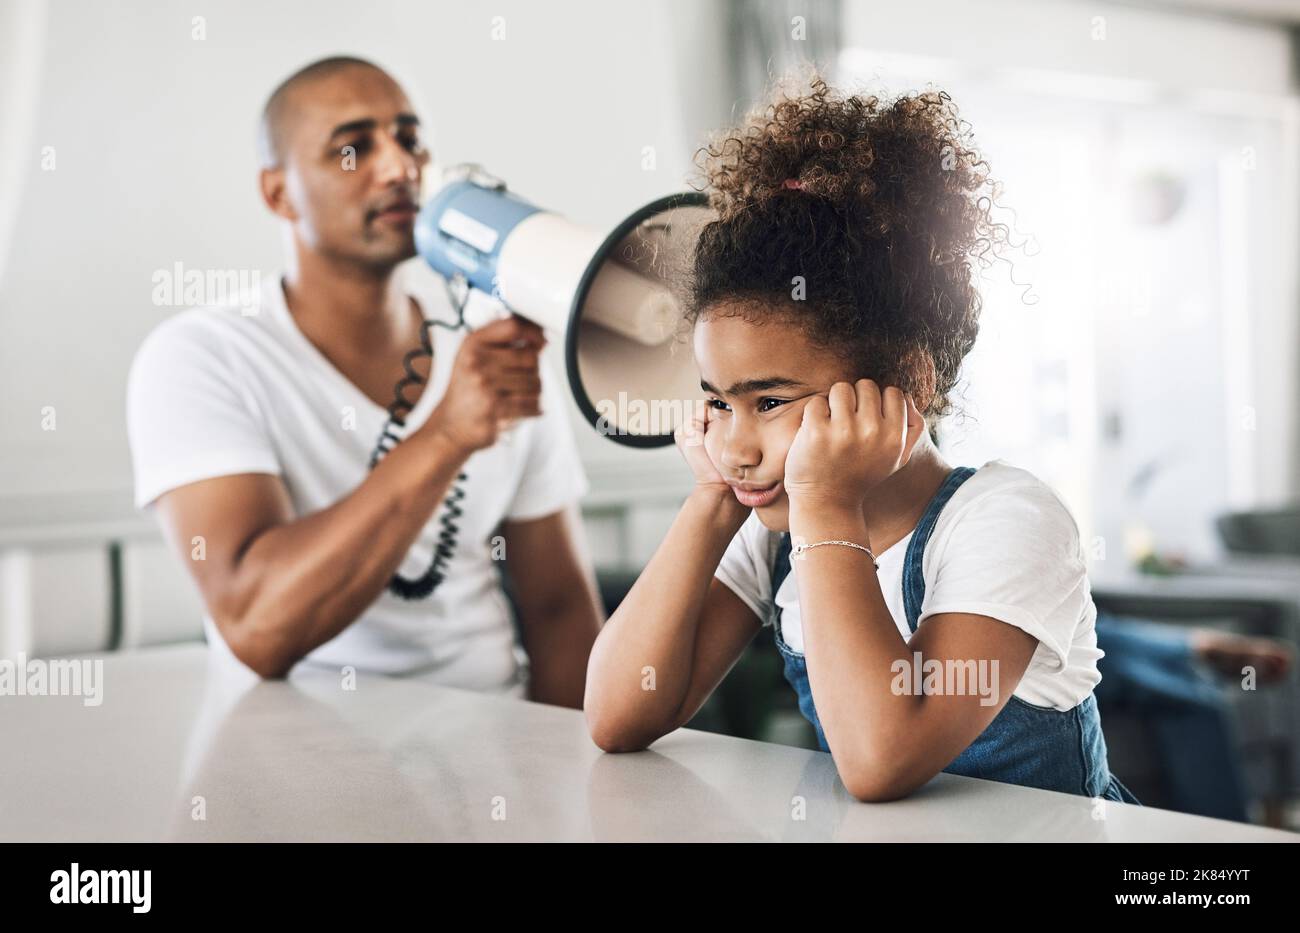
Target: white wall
[[1165, 47], [153, 141], [153, 133], [1185, 91]]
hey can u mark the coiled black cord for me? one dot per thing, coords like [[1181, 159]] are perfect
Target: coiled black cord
[[424, 585]]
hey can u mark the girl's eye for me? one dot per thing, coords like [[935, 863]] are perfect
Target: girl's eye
[[764, 407], [718, 404]]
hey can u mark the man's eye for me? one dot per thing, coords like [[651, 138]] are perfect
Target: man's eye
[[356, 147], [763, 406], [718, 404], [411, 143]]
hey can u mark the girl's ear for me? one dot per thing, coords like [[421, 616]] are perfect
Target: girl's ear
[[919, 367], [916, 426]]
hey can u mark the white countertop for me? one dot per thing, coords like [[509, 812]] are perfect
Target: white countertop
[[393, 759]]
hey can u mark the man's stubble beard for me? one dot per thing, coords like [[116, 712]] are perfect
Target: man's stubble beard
[[372, 260]]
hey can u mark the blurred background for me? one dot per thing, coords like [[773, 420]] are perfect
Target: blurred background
[[1139, 353]]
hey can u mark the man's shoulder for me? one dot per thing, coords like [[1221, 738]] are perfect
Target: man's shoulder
[[207, 330]]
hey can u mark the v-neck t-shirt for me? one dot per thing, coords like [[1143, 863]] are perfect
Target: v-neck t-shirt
[[239, 388]]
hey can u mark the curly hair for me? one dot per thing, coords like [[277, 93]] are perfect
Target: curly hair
[[879, 208]]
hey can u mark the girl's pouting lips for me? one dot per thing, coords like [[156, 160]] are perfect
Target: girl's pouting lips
[[755, 497]]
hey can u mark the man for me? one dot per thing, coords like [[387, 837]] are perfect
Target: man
[[252, 435]]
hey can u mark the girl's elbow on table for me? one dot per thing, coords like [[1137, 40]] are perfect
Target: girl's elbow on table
[[875, 784]]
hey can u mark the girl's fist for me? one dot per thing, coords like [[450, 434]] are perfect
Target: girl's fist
[[850, 441]]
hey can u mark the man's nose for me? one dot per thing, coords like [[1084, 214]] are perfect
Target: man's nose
[[396, 164]]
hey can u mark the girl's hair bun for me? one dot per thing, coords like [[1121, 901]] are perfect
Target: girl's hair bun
[[883, 161], [881, 205], [810, 143]]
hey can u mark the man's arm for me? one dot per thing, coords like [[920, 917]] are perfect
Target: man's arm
[[278, 586], [558, 602]]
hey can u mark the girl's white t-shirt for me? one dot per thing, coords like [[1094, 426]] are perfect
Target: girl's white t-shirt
[[233, 389], [1005, 546]]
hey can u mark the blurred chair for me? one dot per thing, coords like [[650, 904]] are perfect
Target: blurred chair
[[56, 598], [1266, 721], [1273, 531], [160, 605]]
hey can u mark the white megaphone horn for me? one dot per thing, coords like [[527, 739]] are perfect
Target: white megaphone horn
[[611, 297]]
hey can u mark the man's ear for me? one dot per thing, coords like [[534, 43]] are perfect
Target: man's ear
[[275, 193]]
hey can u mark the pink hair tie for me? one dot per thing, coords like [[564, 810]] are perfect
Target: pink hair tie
[[794, 183]]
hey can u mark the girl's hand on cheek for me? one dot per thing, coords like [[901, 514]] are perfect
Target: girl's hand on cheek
[[689, 438], [848, 442]]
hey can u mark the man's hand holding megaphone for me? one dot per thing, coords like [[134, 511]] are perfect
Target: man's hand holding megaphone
[[495, 381]]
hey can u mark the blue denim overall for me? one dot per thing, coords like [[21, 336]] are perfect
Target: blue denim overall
[[1025, 744]]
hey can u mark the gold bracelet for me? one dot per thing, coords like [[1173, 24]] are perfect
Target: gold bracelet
[[800, 548]]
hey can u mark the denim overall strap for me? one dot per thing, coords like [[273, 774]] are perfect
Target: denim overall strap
[[1034, 746], [794, 666], [780, 566], [913, 578]]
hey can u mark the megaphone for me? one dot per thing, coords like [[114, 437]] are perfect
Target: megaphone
[[613, 298]]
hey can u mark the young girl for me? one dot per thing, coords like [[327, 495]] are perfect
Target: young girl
[[930, 618]]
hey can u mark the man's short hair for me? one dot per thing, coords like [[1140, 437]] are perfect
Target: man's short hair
[[274, 124]]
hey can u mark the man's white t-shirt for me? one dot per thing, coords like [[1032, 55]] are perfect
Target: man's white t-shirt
[[240, 389], [1004, 546]]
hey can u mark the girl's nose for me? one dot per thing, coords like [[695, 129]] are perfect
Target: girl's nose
[[739, 450]]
